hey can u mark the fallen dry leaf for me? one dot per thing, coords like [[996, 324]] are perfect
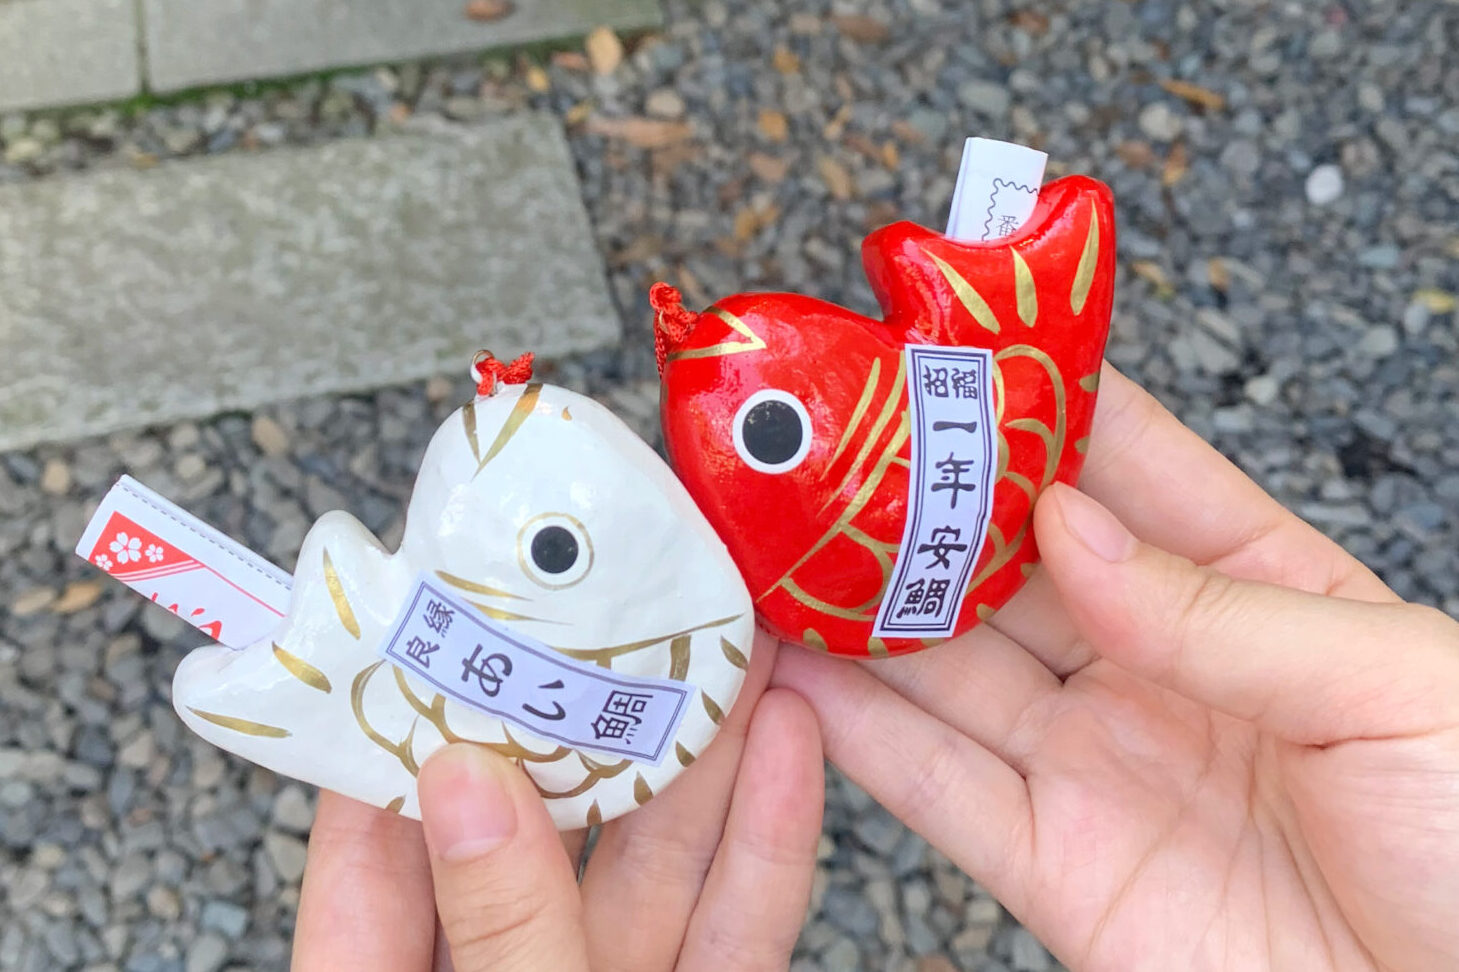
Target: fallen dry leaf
[[746, 224], [1436, 301], [605, 50], [648, 133], [1030, 22], [862, 145], [1195, 94], [773, 125], [78, 596], [837, 124], [1152, 273], [578, 113], [571, 60], [891, 157], [836, 178], [537, 79], [1218, 276], [785, 61], [1176, 165], [32, 601], [863, 30], [489, 10], [750, 220], [1135, 153], [769, 168], [908, 132]]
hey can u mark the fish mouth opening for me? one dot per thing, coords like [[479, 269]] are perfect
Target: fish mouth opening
[[203, 668]]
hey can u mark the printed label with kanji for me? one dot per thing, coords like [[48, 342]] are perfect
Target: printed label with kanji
[[949, 501], [483, 664]]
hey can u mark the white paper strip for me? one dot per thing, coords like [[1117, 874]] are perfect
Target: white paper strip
[[168, 555], [491, 668], [997, 187], [950, 502]]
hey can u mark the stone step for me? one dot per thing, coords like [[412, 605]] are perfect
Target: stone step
[[61, 52], [201, 42], [65, 52], [135, 297]]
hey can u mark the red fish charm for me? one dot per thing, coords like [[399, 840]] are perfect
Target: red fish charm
[[788, 417]]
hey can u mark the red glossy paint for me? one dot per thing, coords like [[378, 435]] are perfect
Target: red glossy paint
[[816, 543]]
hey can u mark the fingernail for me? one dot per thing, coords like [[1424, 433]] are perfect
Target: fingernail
[[466, 807], [1096, 527]]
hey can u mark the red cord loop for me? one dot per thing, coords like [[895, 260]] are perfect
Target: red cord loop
[[489, 371], [672, 320]]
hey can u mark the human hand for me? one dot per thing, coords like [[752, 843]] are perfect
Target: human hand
[[1242, 753], [714, 872]]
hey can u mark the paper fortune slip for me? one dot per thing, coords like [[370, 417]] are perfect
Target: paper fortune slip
[[171, 557], [997, 187]]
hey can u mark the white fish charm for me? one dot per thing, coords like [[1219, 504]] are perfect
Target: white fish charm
[[543, 511]]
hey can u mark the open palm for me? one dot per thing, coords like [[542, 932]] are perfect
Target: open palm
[[1242, 753]]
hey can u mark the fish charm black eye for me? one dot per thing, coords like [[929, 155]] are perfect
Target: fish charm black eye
[[554, 550], [772, 431]]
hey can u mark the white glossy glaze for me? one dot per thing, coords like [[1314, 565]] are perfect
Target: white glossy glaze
[[657, 570]]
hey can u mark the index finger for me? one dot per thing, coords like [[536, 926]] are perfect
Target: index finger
[[1178, 493]]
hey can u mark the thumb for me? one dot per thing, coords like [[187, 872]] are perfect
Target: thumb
[[1309, 668], [506, 893]]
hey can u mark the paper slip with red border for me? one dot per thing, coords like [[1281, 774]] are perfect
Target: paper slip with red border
[[170, 556]]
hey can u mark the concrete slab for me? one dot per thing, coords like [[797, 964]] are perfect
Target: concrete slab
[[60, 52], [129, 298], [199, 42]]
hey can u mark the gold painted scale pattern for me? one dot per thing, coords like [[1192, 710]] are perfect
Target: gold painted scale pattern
[[1004, 549]]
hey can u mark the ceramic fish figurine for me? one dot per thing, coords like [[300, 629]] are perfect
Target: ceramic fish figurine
[[875, 491], [540, 510]]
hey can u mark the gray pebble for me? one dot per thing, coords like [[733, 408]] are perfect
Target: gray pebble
[[986, 98], [207, 953], [287, 855], [1324, 185], [879, 830], [292, 810], [224, 917], [848, 909], [1160, 122]]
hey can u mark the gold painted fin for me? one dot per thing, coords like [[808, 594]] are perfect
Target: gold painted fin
[[336, 594], [246, 726]]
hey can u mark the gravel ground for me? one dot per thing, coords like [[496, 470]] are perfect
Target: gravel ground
[[1289, 261]]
